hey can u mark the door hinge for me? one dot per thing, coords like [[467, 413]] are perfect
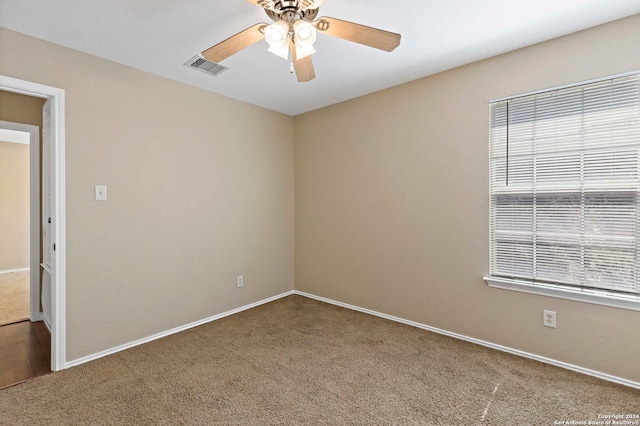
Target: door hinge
[[54, 247], [49, 220]]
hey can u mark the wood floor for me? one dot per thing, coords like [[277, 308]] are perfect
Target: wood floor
[[25, 352]]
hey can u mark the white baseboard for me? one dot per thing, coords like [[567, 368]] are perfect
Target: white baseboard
[[507, 349], [172, 331], [9, 271], [572, 367]]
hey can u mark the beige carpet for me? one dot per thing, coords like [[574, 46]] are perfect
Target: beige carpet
[[14, 297], [297, 361]]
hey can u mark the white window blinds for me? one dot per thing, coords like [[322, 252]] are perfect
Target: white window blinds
[[565, 175]]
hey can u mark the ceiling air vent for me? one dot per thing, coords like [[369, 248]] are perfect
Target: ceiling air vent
[[203, 65]]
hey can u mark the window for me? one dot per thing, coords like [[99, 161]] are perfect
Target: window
[[565, 178]]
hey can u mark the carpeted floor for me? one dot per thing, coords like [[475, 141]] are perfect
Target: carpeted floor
[[297, 361], [14, 297]]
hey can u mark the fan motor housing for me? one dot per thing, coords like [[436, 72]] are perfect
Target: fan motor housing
[[289, 11]]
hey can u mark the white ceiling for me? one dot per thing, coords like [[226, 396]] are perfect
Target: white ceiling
[[159, 36]]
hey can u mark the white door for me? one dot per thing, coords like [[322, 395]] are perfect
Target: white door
[[47, 246]]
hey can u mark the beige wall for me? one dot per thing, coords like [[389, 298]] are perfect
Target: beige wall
[[20, 108], [14, 180], [23, 109], [14, 235], [392, 204], [14, 206], [391, 201], [200, 190]]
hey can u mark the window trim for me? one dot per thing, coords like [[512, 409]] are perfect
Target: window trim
[[585, 295], [603, 297]]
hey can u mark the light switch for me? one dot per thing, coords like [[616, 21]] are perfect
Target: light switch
[[101, 193]]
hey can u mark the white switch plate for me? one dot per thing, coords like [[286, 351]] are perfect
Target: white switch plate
[[101, 193], [239, 281]]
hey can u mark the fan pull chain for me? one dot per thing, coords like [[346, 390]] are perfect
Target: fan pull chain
[[291, 68]]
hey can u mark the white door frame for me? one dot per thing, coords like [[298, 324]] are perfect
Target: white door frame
[[34, 213], [58, 220]]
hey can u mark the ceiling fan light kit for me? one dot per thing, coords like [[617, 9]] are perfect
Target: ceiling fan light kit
[[295, 29], [304, 35], [276, 36]]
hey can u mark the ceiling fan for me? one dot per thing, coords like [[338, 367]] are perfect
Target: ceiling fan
[[295, 30]]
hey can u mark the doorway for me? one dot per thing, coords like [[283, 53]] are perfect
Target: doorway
[[55, 242], [20, 240]]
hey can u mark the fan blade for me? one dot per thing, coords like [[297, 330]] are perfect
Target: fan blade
[[369, 36], [267, 4], [303, 4], [235, 43], [303, 66], [310, 4]]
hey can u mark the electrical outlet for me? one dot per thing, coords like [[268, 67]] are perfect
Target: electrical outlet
[[549, 318], [239, 281]]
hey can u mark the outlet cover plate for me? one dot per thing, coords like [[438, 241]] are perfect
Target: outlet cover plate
[[549, 318]]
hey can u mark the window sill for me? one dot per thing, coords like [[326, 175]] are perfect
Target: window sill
[[588, 296]]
